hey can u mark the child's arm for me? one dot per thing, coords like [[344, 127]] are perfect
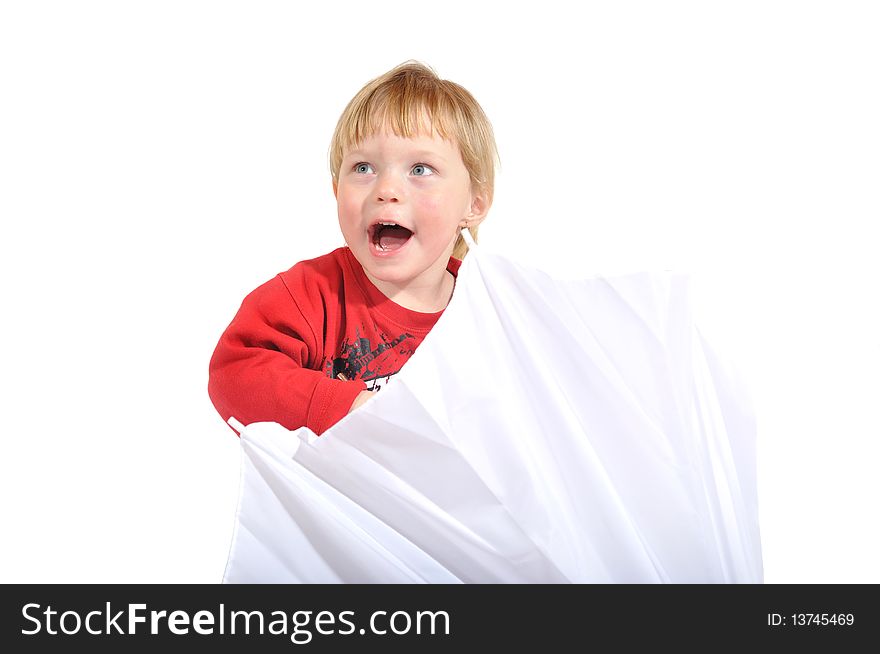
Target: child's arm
[[263, 368], [362, 397]]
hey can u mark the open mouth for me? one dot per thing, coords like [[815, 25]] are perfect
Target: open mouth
[[389, 236]]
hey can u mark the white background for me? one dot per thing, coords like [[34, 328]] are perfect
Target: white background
[[158, 160]]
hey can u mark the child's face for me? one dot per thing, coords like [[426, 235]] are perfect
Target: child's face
[[421, 189]]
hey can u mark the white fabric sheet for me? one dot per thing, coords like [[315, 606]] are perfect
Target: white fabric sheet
[[546, 431]]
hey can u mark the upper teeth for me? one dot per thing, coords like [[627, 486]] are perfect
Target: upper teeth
[[389, 224]]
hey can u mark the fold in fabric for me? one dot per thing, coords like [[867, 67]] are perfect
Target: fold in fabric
[[545, 431]]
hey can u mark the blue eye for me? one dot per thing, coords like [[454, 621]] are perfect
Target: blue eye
[[427, 170], [362, 167]]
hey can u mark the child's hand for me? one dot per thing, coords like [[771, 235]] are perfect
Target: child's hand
[[360, 399]]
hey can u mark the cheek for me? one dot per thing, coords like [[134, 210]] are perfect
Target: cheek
[[451, 201], [348, 207], [429, 208], [433, 204]]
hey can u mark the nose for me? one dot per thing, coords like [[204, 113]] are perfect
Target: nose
[[387, 188]]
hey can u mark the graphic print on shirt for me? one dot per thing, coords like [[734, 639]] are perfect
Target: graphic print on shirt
[[358, 359]]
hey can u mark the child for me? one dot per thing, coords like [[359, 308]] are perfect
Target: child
[[412, 161]]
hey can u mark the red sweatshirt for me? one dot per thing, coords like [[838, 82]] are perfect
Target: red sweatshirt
[[281, 356]]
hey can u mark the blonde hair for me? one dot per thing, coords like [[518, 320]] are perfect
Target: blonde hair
[[401, 99]]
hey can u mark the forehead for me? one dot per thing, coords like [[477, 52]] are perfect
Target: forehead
[[387, 143]]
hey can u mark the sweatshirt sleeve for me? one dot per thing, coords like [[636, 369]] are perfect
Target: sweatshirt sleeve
[[264, 368]]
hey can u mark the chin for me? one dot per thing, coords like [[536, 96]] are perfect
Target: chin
[[396, 274]]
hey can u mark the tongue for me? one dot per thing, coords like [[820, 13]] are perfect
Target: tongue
[[391, 238]]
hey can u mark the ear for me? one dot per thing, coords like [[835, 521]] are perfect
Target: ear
[[335, 185], [478, 210]]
